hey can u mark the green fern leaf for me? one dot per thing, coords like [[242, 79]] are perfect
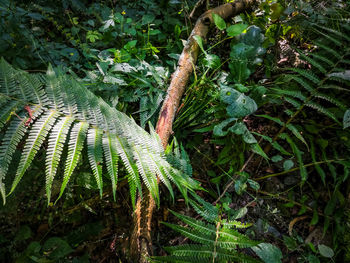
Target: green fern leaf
[[329, 50], [12, 137], [330, 37], [306, 74], [302, 82], [291, 93], [111, 157], [313, 62], [133, 178], [330, 99], [334, 87], [298, 155], [196, 253], [37, 135], [53, 89], [318, 168], [296, 104], [56, 141], [277, 120], [297, 134], [76, 143], [332, 33], [144, 167], [61, 97], [94, 144], [6, 111], [324, 59], [274, 144], [323, 110]]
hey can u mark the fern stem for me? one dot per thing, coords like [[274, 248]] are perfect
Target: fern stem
[[289, 201], [297, 168]]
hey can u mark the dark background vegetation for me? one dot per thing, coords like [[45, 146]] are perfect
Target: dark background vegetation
[[283, 148]]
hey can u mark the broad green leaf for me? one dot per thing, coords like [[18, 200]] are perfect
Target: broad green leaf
[[312, 259], [253, 184], [219, 22], [288, 164], [277, 10], [236, 29], [268, 253], [199, 41], [239, 105], [56, 248], [212, 61], [147, 19], [314, 219], [219, 129], [276, 158], [325, 251]]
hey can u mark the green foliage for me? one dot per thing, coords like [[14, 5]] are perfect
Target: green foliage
[[245, 54], [60, 106], [218, 241]]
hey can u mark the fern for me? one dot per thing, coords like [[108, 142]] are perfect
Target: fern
[[218, 241], [62, 109], [319, 86]]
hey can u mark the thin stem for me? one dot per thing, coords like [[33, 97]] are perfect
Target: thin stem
[[297, 168]]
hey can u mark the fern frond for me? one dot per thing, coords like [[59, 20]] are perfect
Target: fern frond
[[6, 111], [334, 87], [197, 253], [330, 99], [111, 157], [302, 82], [330, 37], [76, 143], [323, 110], [313, 62], [298, 155], [133, 178], [274, 144], [324, 59], [12, 137], [194, 223], [318, 168], [296, 133], [292, 93], [333, 33], [53, 89], [306, 74], [61, 102], [36, 137], [94, 146], [296, 104], [329, 50], [56, 141]]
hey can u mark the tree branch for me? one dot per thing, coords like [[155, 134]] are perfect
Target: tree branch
[[141, 242]]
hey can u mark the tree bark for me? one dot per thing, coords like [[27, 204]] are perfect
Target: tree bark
[[141, 239]]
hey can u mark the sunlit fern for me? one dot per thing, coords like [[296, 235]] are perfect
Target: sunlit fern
[[59, 109]]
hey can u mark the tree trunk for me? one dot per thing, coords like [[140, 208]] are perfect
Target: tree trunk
[[141, 239]]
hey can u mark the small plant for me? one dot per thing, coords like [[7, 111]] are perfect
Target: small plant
[[218, 241]]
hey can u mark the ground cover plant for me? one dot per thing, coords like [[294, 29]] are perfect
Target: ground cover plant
[[250, 164]]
